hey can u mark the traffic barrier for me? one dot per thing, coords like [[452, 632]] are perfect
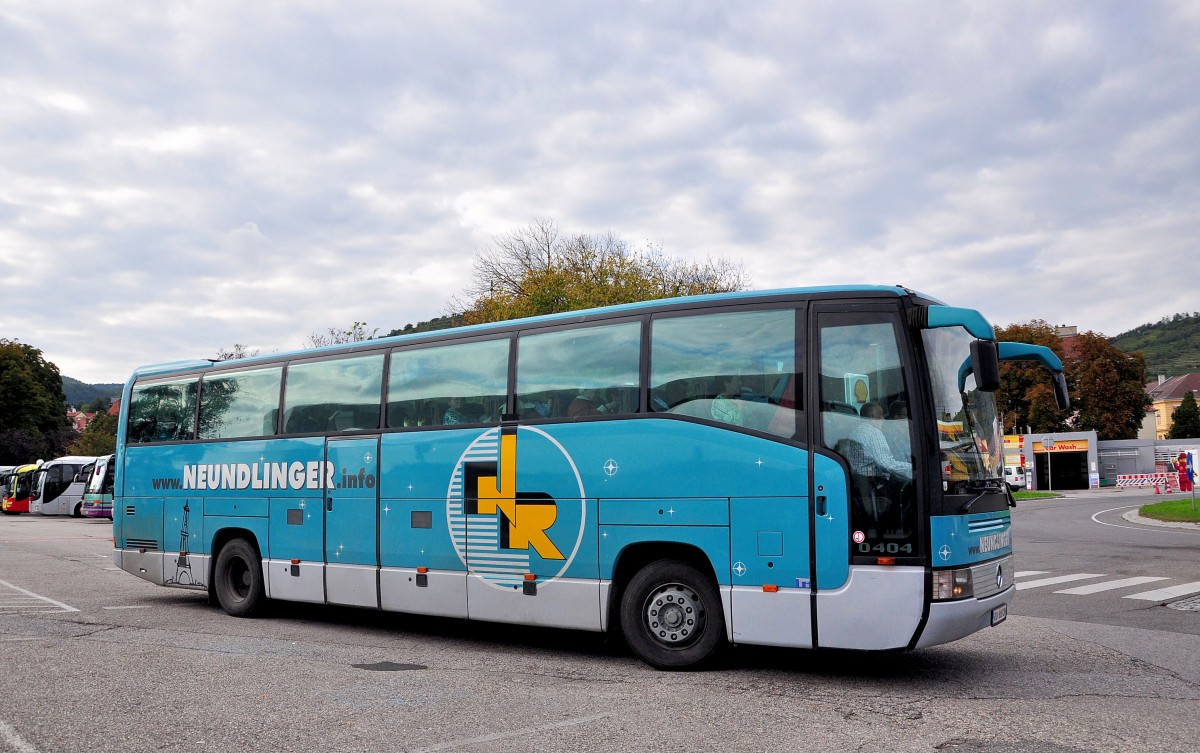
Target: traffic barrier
[[1143, 479]]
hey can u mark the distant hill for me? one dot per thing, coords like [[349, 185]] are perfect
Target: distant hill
[[1171, 345], [79, 393]]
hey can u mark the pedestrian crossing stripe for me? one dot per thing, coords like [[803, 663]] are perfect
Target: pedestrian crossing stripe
[[1111, 585], [1158, 594]]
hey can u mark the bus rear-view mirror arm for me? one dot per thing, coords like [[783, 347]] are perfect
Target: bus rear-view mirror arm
[[984, 358], [1047, 358]]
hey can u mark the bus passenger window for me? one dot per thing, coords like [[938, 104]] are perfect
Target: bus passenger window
[[574, 373], [446, 385], [162, 411], [339, 394], [736, 368], [234, 404]]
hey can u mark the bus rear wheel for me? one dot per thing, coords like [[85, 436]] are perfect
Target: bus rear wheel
[[671, 616], [238, 579]]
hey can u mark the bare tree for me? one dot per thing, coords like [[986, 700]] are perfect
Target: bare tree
[[357, 333], [237, 351]]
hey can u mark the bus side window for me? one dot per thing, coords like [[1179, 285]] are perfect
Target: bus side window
[[162, 411], [235, 404], [732, 367], [445, 385], [578, 372], [333, 395]]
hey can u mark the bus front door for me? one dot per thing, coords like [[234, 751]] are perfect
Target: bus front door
[[352, 521], [870, 580]]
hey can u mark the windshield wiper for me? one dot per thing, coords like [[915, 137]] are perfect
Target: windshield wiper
[[983, 489]]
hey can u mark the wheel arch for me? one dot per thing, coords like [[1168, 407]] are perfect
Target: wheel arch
[[220, 539], [635, 557]]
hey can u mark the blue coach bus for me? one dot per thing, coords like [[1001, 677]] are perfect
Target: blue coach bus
[[764, 468]]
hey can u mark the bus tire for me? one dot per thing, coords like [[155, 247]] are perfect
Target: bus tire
[[238, 579], [671, 616], [78, 511]]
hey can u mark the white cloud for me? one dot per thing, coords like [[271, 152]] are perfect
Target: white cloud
[[220, 172]]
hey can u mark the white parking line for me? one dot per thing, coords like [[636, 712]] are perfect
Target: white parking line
[[1109, 585], [14, 740], [61, 607], [523, 732], [1027, 573]]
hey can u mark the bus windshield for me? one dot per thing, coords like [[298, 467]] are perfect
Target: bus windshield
[[96, 482], [21, 485], [968, 427]]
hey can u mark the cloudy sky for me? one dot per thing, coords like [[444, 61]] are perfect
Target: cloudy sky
[[177, 177]]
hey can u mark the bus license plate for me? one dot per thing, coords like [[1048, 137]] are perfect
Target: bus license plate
[[999, 613]]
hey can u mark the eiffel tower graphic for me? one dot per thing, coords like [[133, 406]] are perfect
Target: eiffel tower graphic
[[183, 566]]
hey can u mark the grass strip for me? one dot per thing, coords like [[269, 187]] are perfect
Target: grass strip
[[1172, 511]]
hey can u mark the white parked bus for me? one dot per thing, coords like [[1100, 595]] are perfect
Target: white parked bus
[[58, 486]]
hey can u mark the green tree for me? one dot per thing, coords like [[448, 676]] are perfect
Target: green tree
[[99, 438], [1025, 400], [1107, 387], [32, 404], [1185, 420], [538, 270], [434, 324], [99, 405], [20, 446]]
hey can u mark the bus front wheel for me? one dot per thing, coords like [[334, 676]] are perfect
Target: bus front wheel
[[238, 579], [671, 616]]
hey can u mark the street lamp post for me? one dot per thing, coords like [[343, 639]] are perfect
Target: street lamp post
[[1048, 445]]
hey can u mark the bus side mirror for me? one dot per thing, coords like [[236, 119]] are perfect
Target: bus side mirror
[[985, 364], [1061, 397]]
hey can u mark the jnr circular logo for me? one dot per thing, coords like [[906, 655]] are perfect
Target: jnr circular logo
[[516, 505]]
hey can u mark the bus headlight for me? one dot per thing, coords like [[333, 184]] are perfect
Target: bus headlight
[[952, 584]]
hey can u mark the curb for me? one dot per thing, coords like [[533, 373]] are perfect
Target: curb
[[1133, 517]]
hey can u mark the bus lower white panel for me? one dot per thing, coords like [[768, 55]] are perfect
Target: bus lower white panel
[[877, 608], [951, 620], [444, 595], [307, 585], [561, 603], [772, 619], [186, 570], [606, 592], [351, 585], [148, 565]]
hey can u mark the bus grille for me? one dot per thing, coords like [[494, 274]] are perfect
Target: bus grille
[[149, 545], [983, 576]]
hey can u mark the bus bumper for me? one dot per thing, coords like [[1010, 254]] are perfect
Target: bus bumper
[[14, 507], [950, 620]]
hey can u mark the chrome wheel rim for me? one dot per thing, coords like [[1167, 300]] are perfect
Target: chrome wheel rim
[[674, 615]]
